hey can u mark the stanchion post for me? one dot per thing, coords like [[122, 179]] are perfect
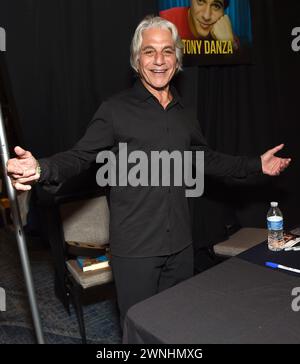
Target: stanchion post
[[21, 240]]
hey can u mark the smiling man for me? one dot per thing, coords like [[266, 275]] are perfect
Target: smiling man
[[150, 230], [157, 63], [204, 19]]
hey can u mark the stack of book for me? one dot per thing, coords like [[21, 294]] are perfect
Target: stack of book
[[90, 271], [88, 264]]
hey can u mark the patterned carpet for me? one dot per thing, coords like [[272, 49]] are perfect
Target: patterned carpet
[[101, 319]]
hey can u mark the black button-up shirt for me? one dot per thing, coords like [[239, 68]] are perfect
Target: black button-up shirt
[[144, 221]]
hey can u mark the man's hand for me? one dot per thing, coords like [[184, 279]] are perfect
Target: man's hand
[[22, 170], [272, 165], [222, 29]]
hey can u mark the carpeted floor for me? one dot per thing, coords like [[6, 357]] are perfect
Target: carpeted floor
[[101, 319]]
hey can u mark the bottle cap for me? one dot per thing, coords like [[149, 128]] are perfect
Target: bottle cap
[[274, 204]]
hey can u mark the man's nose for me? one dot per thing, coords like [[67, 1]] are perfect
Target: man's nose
[[206, 12], [159, 59]]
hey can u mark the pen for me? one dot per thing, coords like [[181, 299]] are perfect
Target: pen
[[293, 248], [275, 265]]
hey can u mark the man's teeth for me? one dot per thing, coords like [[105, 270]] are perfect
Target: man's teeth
[[157, 71]]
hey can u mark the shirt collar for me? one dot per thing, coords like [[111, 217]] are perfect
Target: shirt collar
[[143, 94]]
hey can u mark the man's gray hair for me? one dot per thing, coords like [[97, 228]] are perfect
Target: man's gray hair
[[154, 22]]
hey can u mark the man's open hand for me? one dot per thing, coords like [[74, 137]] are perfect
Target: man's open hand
[[272, 165]]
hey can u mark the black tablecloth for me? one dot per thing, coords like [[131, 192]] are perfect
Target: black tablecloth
[[234, 302], [260, 254]]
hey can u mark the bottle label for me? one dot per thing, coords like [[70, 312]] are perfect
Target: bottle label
[[275, 223]]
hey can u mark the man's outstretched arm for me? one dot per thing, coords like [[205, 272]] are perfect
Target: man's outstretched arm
[[24, 170], [220, 164]]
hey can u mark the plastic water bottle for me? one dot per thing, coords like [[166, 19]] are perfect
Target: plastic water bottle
[[275, 228]]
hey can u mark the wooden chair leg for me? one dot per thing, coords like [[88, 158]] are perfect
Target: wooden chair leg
[[76, 298]]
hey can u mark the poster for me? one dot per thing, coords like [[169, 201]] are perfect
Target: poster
[[212, 31]]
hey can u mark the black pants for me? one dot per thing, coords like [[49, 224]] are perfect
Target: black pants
[[139, 278]]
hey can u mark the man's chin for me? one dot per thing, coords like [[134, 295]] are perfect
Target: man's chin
[[160, 87]]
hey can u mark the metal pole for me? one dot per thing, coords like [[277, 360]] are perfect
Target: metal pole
[[20, 234]]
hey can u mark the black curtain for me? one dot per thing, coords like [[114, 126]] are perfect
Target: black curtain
[[65, 56], [245, 110]]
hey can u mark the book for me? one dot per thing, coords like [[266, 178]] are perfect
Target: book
[[91, 278], [88, 264]]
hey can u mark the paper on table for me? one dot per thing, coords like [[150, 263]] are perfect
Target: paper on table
[[291, 243]]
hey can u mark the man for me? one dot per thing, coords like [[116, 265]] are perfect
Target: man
[[150, 235], [204, 19]]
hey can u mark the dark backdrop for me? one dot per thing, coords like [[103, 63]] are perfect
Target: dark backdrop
[[64, 57]]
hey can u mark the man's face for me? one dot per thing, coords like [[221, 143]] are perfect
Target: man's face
[[204, 14], [157, 61]]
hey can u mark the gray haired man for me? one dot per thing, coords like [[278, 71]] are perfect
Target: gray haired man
[[150, 237]]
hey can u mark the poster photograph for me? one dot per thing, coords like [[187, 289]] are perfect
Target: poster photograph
[[212, 31]]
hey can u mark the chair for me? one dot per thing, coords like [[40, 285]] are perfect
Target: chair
[[78, 225], [243, 239]]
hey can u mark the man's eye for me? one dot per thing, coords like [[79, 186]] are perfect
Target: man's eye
[[217, 6], [149, 52], [168, 52]]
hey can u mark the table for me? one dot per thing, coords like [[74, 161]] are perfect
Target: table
[[260, 254], [234, 302]]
